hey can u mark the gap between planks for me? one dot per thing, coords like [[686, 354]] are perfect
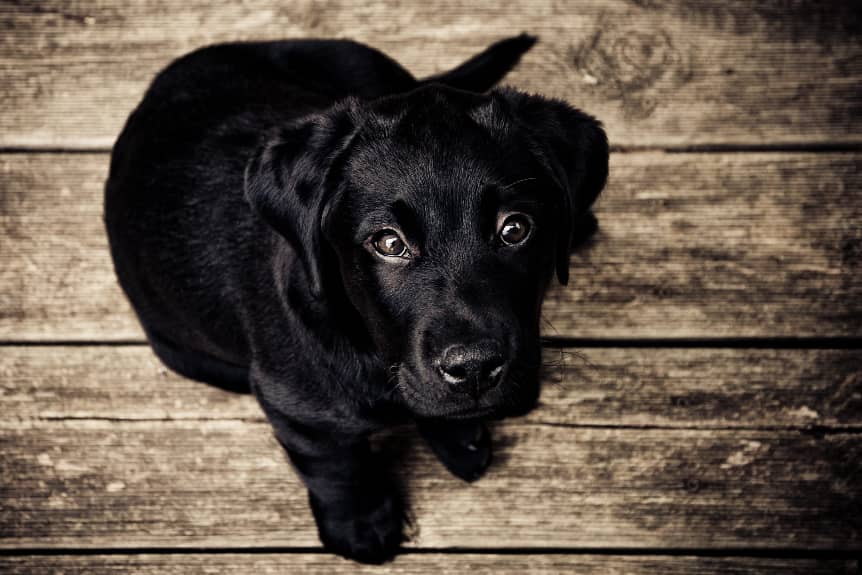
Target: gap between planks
[[431, 562], [728, 552], [783, 148], [555, 342]]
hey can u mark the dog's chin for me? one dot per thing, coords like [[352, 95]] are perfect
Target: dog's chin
[[469, 412], [437, 410], [496, 404]]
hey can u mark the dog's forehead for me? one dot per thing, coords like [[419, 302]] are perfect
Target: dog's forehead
[[427, 148], [393, 167]]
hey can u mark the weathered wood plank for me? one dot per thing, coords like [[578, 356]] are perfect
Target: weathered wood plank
[[108, 382], [107, 484], [423, 564], [702, 388], [54, 260], [691, 245], [720, 245], [677, 73]]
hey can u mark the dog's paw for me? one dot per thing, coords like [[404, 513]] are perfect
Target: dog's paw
[[367, 530], [464, 448]]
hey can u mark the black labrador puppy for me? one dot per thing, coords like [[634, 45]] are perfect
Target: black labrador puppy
[[357, 247]]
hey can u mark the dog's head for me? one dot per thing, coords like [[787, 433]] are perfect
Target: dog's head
[[444, 214]]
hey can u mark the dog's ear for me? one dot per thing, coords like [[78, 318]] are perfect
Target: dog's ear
[[292, 178], [573, 148]]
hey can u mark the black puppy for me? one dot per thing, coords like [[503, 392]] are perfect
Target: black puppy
[[306, 219]]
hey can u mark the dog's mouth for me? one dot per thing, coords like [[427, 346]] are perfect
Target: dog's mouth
[[427, 399]]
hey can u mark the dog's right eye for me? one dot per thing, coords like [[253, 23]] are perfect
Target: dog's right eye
[[514, 229], [388, 243]]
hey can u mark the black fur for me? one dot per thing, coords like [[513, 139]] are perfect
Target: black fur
[[242, 205]]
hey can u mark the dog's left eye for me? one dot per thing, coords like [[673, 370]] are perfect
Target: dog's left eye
[[514, 229], [388, 243]]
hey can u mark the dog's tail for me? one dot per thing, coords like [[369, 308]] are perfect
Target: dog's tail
[[482, 71]]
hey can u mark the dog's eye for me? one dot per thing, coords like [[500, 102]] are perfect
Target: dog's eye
[[515, 229], [388, 243]]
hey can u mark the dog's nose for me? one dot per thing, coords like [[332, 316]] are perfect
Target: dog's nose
[[473, 368]]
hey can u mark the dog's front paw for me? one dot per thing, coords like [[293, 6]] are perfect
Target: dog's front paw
[[367, 527], [463, 447]]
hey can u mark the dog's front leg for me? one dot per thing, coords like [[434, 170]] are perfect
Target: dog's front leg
[[356, 504], [358, 509]]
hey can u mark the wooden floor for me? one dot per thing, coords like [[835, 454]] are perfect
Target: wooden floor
[[703, 405]]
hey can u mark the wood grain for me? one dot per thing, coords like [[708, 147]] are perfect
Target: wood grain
[[690, 245], [181, 484], [424, 564], [657, 73], [679, 388], [635, 456], [705, 245]]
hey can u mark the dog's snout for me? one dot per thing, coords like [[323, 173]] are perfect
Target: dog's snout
[[473, 368]]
